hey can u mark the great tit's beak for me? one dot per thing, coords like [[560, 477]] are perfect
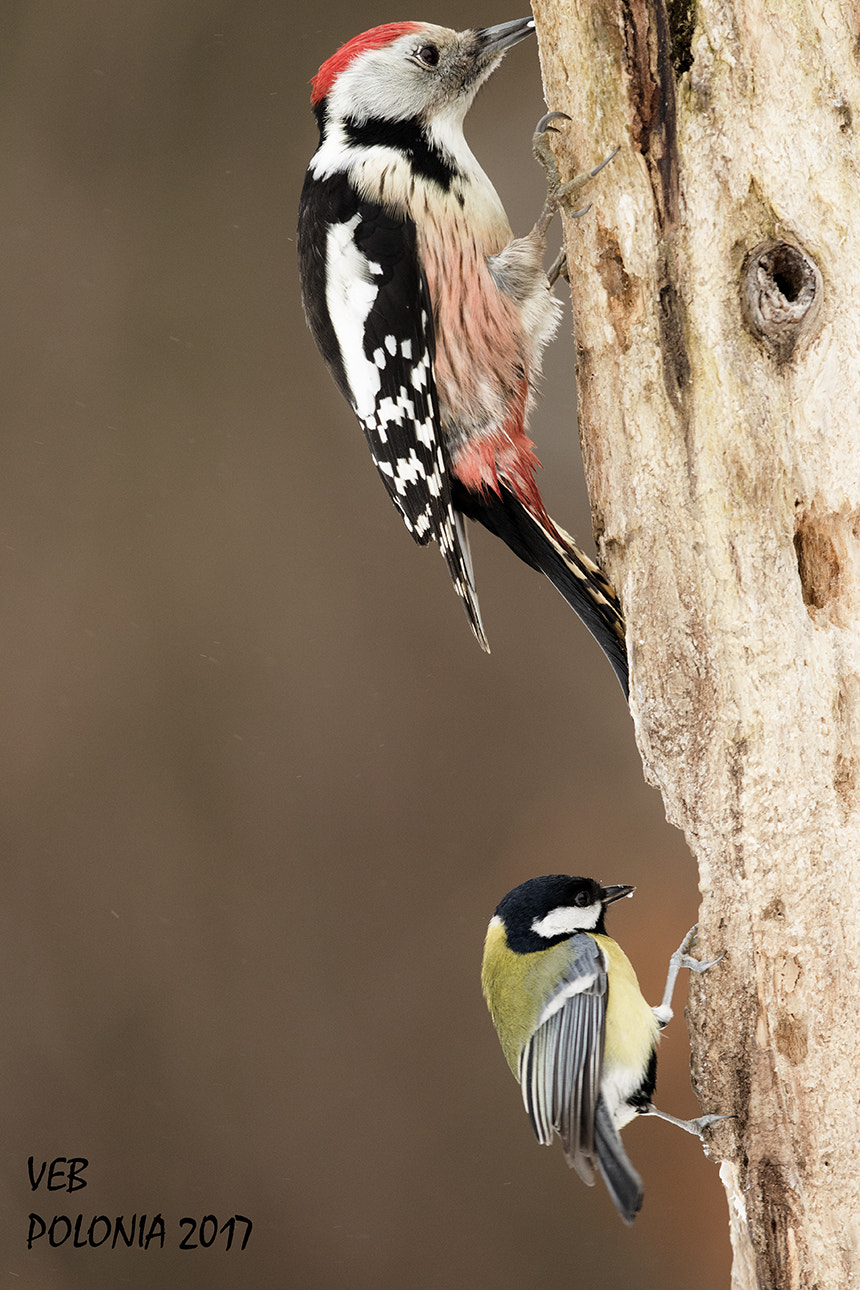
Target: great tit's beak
[[615, 893], [496, 39]]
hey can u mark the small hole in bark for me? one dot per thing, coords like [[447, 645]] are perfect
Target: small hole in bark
[[781, 296], [788, 272]]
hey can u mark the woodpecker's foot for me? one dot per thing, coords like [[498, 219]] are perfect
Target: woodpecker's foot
[[542, 151], [697, 1127], [558, 269], [558, 193]]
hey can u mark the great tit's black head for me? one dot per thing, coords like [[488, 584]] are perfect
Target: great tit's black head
[[546, 911]]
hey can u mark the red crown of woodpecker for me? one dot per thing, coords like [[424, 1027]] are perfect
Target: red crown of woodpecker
[[373, 39]]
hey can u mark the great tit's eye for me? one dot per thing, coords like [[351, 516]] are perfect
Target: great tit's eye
[[428, 55], [582, 899]]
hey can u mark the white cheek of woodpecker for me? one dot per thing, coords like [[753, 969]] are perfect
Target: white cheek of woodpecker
[[430, 315]]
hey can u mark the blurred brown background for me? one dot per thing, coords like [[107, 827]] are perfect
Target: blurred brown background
[[261, 789]]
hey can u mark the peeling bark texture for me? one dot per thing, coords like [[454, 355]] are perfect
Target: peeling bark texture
[[718, 358]]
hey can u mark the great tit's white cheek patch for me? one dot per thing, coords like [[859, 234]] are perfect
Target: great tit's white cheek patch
[[567, 919]]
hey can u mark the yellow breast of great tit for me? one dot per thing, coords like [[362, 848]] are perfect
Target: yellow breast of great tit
[[631, 1027]]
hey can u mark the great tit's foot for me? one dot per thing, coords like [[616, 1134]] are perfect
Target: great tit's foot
[[697, 1127], [681, 958]]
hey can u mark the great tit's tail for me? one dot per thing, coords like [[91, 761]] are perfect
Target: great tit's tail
[[622, 1181]]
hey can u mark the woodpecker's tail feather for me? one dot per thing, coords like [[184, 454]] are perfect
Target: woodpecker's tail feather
[[548, 548], [622, 1181], [458, 557]]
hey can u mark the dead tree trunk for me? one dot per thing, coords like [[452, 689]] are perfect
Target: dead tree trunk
[[717, 315]]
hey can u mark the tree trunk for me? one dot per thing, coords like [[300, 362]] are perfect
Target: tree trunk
[[718, 360]]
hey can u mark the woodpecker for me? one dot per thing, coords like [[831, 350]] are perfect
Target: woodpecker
[[431, 316]]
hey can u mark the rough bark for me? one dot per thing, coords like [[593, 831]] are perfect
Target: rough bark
[[718, 360]]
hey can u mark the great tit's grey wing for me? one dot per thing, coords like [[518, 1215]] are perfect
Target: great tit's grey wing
[[622, 1181], [560, 1065]]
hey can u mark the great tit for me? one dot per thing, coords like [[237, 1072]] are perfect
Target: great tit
[[573, 1024]]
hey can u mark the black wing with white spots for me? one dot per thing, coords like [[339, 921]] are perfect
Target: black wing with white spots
[[369, 309]]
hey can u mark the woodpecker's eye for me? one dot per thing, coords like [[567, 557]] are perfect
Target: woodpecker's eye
[[428, 55]]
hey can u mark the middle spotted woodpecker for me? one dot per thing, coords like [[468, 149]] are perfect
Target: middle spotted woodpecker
[[431, 316]]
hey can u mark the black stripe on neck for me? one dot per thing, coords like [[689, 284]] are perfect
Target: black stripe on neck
[[427, 160]]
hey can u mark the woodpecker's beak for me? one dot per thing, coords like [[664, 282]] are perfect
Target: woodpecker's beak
[[615, 893], [495, 39]]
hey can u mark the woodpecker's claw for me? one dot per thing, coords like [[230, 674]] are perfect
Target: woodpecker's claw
[[545, 123], [542, 151], [605, 162], [558, 268], [558, 193]]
